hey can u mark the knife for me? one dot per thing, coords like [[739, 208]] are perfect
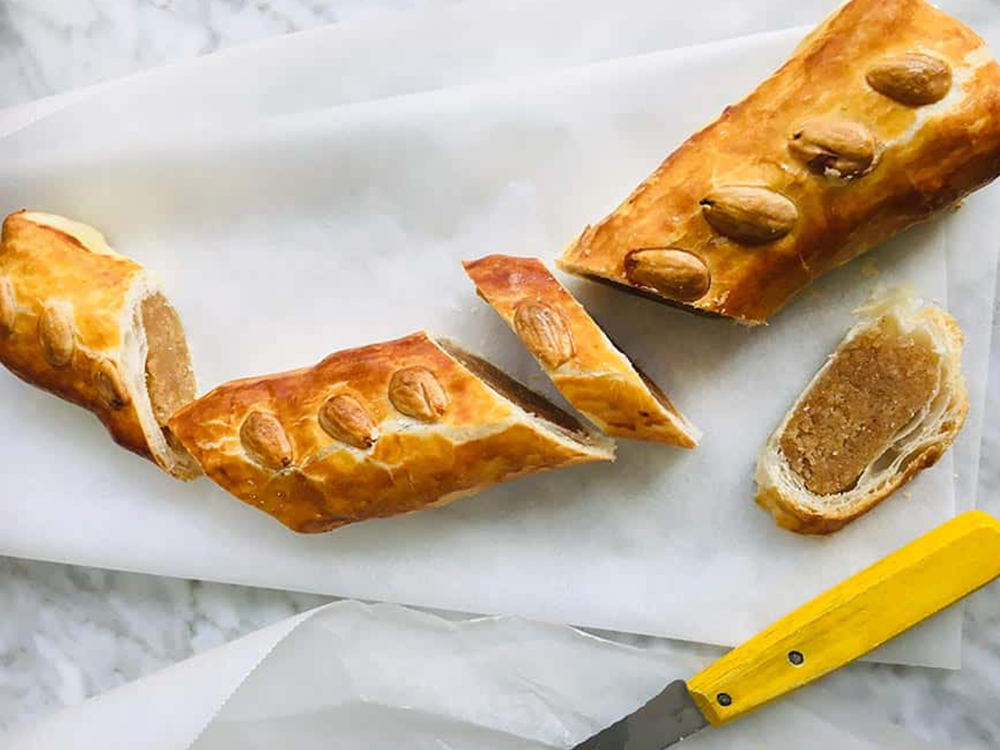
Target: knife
[[833, 629]]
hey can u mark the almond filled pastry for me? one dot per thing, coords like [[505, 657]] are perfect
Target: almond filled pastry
[[92, 326], [377, 431], [888, 403], [586, 367], [885, 115]]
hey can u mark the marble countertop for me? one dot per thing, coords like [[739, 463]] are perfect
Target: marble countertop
[[67, 633]]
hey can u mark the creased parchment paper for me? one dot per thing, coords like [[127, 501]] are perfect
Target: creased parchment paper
[[288, 235], [359, 677]]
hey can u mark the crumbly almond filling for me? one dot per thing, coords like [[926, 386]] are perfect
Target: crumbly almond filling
[[873, 388], [169, 378]]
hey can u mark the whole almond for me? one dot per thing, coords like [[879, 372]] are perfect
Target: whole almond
[[8, 307], [545, 332], [110, 388], [836, 147], [913, 79], [416, 392], [265, 441], [344, 418], [749, 214], [56, 335], [674, 273]]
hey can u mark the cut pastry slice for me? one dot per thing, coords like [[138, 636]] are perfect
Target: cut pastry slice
[[586, 367], [884, 116], [378, 431], [92, 326], [888, 403]]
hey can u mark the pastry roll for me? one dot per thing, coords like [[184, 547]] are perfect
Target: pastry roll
[[888, 403], [586, 367], [92, 326], [885, 115], [377, 431]]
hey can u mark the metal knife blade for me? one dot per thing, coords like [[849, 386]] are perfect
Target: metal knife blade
[[870, 607], [668, 718]]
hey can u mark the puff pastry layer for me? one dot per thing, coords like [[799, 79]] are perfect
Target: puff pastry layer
[[888, 403], [377, 431], [586, 367], [886, 114]]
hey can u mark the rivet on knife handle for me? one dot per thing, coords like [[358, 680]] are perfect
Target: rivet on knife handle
[[852, 618]]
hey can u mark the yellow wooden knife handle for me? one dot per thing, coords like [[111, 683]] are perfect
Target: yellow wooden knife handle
[[852, 618]]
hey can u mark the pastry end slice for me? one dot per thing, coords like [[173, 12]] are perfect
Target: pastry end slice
[[884, 116], [93, 327], [377, 431], [586, 367], [887, 404]]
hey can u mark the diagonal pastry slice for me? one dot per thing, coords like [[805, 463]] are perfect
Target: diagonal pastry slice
[[586, 367]]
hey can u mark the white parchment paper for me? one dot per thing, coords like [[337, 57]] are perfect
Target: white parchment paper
[[285, 236], [382, 677]]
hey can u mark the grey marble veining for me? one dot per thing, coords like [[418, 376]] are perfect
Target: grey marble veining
[[67, 632], [49, 46]]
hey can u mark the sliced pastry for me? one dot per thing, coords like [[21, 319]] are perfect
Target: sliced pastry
[[92, 326], [884, 116], [586, 367], [888, 403], [377, 431]]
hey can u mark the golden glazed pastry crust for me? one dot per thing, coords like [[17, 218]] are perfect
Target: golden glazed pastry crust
[[376, 431], [809, 476], [886, 114], [586, 367], [77, 318]]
